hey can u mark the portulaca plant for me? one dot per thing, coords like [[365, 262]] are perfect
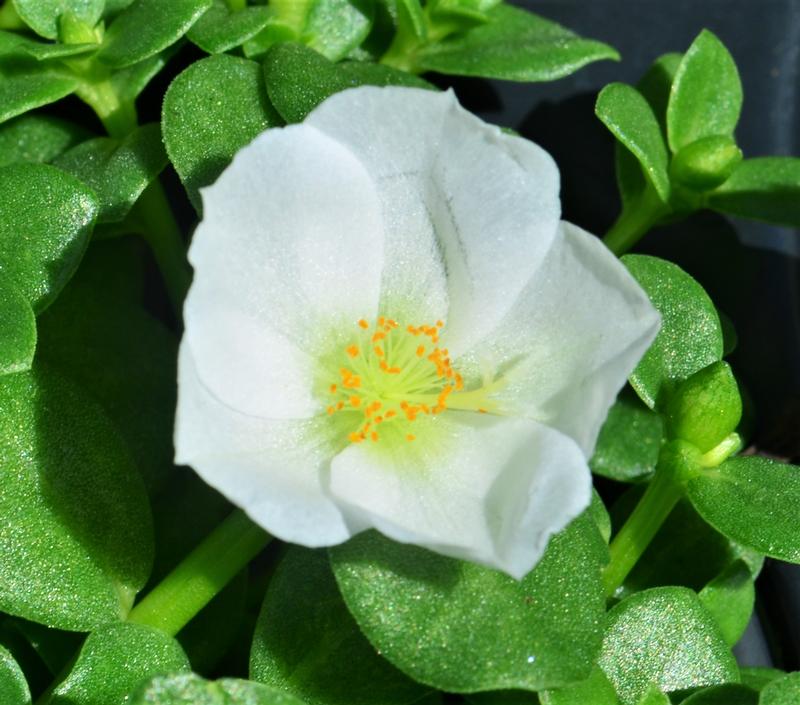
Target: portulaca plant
[[309, 396]]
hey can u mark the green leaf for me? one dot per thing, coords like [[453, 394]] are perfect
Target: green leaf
[[148, 27], [498, 697], [730, 599], [765, 189], [686, 551], [115, 660], [335, 27], [98, 335], [595, 690], [289, 65], [43, 16], [753, 501], [37, 138], [306, 643], [758, 677], [55, 648], [46, 218], [515, 45], [629, 441], [17, 329], [705, 408], [663, 637], [706, 96], [705, 163], [600, 515], [77, 543], [221, 29], [783, 691], [438, 619], [12, 44], [25, 85], [117, 170], [656, 85], [13, 686], [723, 695], [191, 689], [691, 334], [202, 132], [129, 82], [629, 117]]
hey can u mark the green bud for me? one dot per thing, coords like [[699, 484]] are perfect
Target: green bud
[[705, 164], [72, 30], [704, 409]]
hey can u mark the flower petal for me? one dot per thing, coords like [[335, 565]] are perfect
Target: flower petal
[[291, 245], [470, 211], [272, 469], [571, 339], [492, 492]]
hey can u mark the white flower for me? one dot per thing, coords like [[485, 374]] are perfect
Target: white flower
[[389, 327]]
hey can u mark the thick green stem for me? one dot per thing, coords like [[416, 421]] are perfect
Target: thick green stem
[[118, 116], [661, 496], [634, 222], [164, 237], [204, 572]]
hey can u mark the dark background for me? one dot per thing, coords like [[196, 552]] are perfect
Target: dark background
[[750, 269]]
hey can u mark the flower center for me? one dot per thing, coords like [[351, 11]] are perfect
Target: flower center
[[391, 374]]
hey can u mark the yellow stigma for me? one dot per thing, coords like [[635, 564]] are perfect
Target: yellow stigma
[[391, 374]]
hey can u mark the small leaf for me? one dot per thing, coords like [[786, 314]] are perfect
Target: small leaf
[[37, 138], [148, 27], [705, 408], [758, 677], [52, 213], [129, 82], [116, 659], [515, 45], [706, 96], [191, 689], [77, 539], [98, 335], [753, 501], [600, 515], [663, 637], [25, 85], [117, 170], [202, 132], [629, 441], [730, 598], [723, 695], [13, 686], [289, 65], [437, 619], [691, 335], [335, 27], [307, 644], [595, 690], [221, 29], [783, 691], [17, 329], [705, 163], [12, 44], [629, 117], [765, 189], [42, 16]]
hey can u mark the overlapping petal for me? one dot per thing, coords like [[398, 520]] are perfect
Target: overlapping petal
[[291, 245], [486, 489], [469, 211], [271, 468], [571, 338]]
